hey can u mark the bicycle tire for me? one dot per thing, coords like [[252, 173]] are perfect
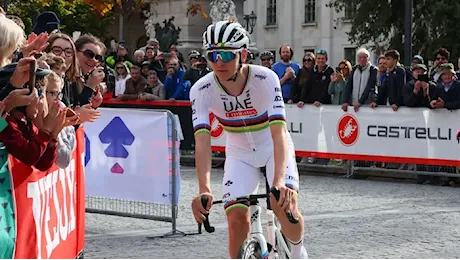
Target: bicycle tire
[[250, 247]]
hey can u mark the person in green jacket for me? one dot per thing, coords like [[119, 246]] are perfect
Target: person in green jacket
[[338, 82]]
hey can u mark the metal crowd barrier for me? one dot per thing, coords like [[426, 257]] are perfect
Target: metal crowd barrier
[[147, 210]]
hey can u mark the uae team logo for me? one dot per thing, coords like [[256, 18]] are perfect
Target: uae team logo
[[348, 130]]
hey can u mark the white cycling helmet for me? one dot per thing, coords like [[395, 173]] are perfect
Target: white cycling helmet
[[225, 34]]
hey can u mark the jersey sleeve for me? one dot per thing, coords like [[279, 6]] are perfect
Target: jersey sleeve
[[276, 110], [199, 100]]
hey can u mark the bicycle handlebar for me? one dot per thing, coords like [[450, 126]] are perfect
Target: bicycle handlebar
[[211, 229]]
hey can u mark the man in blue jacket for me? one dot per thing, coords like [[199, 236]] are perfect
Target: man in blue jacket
[[176, 87]]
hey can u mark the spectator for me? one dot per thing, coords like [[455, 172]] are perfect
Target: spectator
[[360, 88], [417, 59], [391, 90], [318, 83], [56, 64], [120, 55], [64, 133], [134, 86], [9, 44], [89, 54], [155, 89], [301, 81], [145, 69], [447, 93], [442, 56], [139, 56], [338, 82], [23, 140], [198, 69], [286, 70], [266, 59], [175, 84], [157, 63], [122, 75], [173, 49], [417, 91], [382, 71], [46, 22]]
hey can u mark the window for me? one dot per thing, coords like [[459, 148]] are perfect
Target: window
[[350, 9], [309, 50], [310, 11], [271, 12], [350, 55]]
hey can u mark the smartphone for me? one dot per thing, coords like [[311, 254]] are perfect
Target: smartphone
[[423, 77], [33, 67], [70, 113]]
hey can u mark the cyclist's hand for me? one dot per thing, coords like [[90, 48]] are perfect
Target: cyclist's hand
[[285, 202], [198, 209]]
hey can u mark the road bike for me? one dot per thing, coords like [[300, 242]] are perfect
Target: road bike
[[273, 244]]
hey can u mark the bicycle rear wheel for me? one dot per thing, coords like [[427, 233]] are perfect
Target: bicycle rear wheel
[[250, 249]]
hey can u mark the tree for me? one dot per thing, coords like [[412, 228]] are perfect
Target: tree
[[125, 7], [75, 15], [435, 24]]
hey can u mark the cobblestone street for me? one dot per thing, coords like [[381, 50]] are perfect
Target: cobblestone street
[[344, 218]]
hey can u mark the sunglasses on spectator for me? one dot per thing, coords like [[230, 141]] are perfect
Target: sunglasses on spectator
[[224, 55], [323, 52], [120, 68], [55, 94], [91, 55], [68, 52], [265, 59], [309, 60]]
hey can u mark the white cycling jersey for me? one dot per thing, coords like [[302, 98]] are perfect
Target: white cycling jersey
[[246, 119]]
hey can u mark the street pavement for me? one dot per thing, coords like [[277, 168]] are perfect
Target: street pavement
[[344, 218]]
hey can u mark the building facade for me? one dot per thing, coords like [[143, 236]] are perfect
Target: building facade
[[305, 25]]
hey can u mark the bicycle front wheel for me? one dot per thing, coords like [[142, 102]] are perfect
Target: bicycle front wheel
[[250, 249]]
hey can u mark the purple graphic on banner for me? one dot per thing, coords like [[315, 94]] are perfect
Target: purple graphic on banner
[[117, 135], [87, 150]]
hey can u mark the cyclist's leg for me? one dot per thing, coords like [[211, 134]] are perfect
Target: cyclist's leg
[[293, 232], [240, 179]]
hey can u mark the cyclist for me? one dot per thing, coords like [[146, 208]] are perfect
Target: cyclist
[[247, 101], [266, 59]]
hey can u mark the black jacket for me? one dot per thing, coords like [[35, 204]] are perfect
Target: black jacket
[[317, 86], [451, 97], [369, 91], [417, 100], [392, 87]]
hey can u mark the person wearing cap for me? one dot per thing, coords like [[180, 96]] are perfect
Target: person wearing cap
[[447, 92], [120, 55], [199, 67], [417, 91], [46, 22]]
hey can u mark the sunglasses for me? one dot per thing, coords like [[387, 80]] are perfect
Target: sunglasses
[[224, 55], [323, 52], [58, 50], [265, 59], [309, 60], [120, 68], [91, 55]]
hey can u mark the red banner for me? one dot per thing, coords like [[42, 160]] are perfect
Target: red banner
[[50, 208]]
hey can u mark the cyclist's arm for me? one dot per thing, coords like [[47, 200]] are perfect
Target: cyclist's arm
[[201, 126], [277, 122]]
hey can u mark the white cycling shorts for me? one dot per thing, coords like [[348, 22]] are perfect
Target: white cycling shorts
[[242, 174]]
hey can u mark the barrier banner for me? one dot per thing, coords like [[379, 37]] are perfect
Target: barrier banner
[[50, 208], [409, 135], [128, 156]]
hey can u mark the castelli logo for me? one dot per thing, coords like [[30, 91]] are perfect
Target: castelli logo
[[216, 129], [348, 130]]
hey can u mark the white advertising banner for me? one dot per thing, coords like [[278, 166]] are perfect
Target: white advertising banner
[[128, 156], [412, 135]]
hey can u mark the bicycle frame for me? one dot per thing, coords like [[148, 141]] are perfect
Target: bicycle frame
[[274, 236]]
